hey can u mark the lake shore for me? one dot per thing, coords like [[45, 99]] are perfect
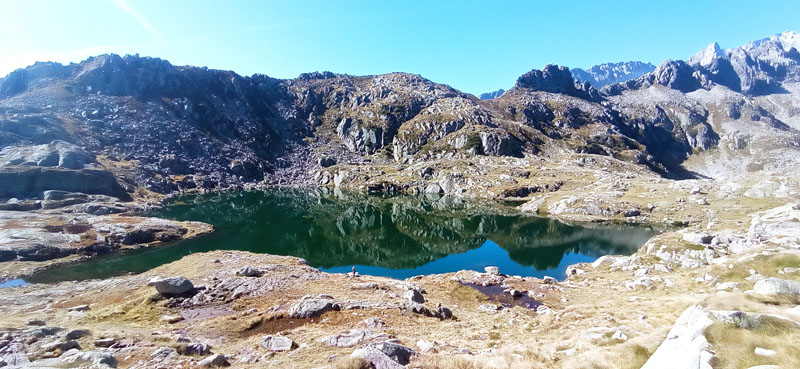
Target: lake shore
[[619, 306]]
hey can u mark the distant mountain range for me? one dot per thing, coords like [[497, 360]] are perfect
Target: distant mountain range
[[599, 75], [735, 110], [609, 73]]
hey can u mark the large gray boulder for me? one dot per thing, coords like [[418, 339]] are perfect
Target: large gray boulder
[[349, 339], [277, 343], [172, 285], [213, 361], [92, 359], [777, 287], [384, 355], [310, 306]]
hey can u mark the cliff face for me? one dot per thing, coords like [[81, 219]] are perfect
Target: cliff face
[[165, 128]]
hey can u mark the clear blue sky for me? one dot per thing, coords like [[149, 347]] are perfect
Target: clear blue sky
[[473, 46]]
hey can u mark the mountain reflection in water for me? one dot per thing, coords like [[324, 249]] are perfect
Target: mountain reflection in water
[[396, 236]]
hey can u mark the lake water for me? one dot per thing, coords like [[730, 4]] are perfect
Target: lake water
[[397, 237]]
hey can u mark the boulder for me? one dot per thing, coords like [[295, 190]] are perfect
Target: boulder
[[196, 349], [214, 360], [105, 342], [426, 346], [162, 353], [375, 358], [89, 358], [433, 188], [398, 353], [764, 352], [352, 338], [171, 286], [777, 287], [248, 271], [77, 333], [416, 308], [685, 346], [384, 355], [63, 346], [310, 306], [698, 238], [277, 343], [414, 296]]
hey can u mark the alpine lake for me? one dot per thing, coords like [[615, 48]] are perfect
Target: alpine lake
[[392, 236]]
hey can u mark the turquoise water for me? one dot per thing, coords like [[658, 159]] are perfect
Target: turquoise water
[[396, 237]]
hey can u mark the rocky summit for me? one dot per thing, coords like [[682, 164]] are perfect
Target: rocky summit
[[704, 150]]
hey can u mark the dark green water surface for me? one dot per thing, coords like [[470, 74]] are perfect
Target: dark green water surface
[[397, 236]]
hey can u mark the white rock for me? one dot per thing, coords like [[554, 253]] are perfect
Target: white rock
[[171, 318], [727, 286], [277, 343], [685, 346], [777, 286], [697, 238], [426, 346], [764, 352]]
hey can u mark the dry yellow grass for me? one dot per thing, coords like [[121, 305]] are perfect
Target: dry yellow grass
[[736, 346]]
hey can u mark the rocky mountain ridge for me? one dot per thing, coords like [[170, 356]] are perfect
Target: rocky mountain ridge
[[492, 95], [610, 73], [165, 128]]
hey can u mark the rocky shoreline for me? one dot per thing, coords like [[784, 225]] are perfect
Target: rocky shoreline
[[247, 310]]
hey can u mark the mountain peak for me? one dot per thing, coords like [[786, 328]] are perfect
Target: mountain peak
[[707, 55], [788, 39]]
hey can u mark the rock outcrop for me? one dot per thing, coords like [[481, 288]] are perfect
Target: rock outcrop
[[29, 171]]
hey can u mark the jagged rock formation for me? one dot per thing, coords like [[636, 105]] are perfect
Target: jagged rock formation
[[758, 68], [167, 128], [492, 95], [610, 73]]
